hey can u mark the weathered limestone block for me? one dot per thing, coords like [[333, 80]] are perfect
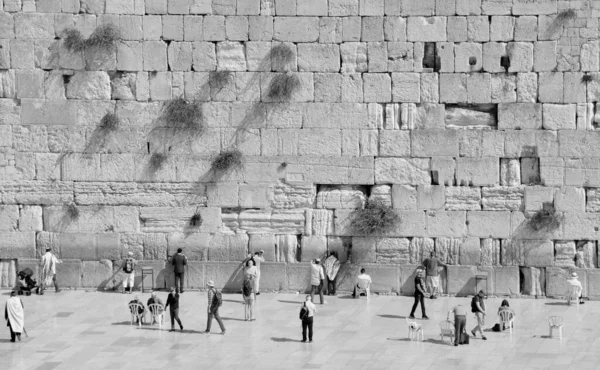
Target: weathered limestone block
[[489, 224], [426, 29], [527, 116], [296, 29], [552, 171], [318, 222], [470, 252], [230, 56], [530, 171], [477, 171], [521, 56], [407, 279], [272, 222], [30, 218], [593, 200], [556, 281], [287, 248], [442, 171], [289, 196], [536, 196], [394, 143], [490, 252], [97, 274], [9, 218], [534, 281], [69, 272], [89, 85], [510, 172], [381, 193], [228, 247], [430, 143], [8, 273], [36, 192], [457, 117], [569, 199], [431, 197], [590, 56], [446, 223], [393, 250], [404, 197], [354, 57], [559, 116], [448, 249], [195, 245], [364, 250], [461, 280], [420, 249], [92, 219], [564, 253], [409, 171], [522, 229], [265, 243], [463, 198], [227, 276], [502, 198], [585, 255], [581, 226], [298, 277], [341, 197]]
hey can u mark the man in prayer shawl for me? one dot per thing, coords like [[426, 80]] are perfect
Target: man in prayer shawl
[[332, 266], [15, 316], [48, 265]]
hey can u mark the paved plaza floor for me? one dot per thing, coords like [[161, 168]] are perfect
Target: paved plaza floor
[[91, 330]]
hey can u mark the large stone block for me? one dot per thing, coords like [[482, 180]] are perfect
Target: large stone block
[[263, 242], [564, 253], [470, 252], [593, 277], [8, 273], [408, 171], [490, 252], [478, 171], [227, 276], [449, 223], [296, 29], [273, 277], [298, 277], [228, 247], [461, 280], [556, 281], [97, 274], [194, 275], [194, 245], [463, 198], [419, 249], [526, 116], [502, 198], [341, 197], [430, 143], [448, 249], [393, 250], [536, 253], [426, 29], [364, 250], [272, 222], [386, 278], [287, 248], [489, 224], [581, 226], [68, 273], [174, 219], [533, 281], [586, 255], [407, 279], [17, 245]]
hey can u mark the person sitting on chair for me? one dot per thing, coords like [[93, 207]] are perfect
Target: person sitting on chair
[[504, 306], [141, 309], [574, 282], [362, 281], [152, 300]]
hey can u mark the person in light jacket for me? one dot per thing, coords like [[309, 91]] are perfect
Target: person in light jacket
[[317, 276]]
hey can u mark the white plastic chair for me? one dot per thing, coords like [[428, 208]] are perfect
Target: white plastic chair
[[134, 308], [574, 294], [447, 330], [363, 286], [556, 322], [506, 318], [157, 311], [414, 329]]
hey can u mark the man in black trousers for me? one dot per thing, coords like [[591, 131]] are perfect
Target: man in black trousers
[[419, 296], [179, 262], [173, 304]]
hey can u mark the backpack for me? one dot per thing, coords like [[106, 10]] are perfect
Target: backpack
[[128, 268], [247, 288], [217, 300], [303, 312]]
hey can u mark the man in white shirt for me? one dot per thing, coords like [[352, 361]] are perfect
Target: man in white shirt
[[258, 259], [307, 320], [317, 277], [573, 281], [48, 266], [362, 281]]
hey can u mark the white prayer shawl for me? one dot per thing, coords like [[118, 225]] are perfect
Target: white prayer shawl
[[49, 262], [332, 266], [16, 316]]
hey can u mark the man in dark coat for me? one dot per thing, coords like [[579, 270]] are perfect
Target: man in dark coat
[[173, 304], [179, 262]]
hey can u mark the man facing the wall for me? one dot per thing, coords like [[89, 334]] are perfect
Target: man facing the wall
[[433, 275]]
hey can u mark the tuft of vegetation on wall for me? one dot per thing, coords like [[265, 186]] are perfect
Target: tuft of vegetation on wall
[[73, 40], [73, 211], [375, 219], [157, 161], [110, 122], [219, 79], [561, 20], [587, 78], [283, 87], [196, 220], [545, 219], [227, 161], [282, 54], [184, 115], [104, 37]]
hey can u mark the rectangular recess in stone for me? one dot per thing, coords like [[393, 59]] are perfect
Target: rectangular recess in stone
[[471, 116], [505, 62], [430, 59]]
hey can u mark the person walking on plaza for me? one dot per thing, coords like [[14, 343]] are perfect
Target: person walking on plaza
[[48, 267], [433, 275], [317, 278], [179, 262], [460, 322], [173, 304], [308, 319], [214, 302], [128, 267], [15, 316], [419, 296], [248, 295], [478, 308], [332, 266]]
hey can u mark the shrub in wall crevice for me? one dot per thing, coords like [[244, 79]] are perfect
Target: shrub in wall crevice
[[183, 115], [283, 87], [227, 161], [374, 219], [545, 219]]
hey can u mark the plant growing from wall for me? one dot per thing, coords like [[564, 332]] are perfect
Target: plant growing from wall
[[104, 37], [374, 219], [219, 79], [587, 78], [545, 219], [183, 115], [196, 220], [157, 161], [227, 161], [110, 122], [561, 20], [283, 87], [73, 211], [281, 55], [73, 40]]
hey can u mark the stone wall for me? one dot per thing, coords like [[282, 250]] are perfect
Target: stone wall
[[465, 116]]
